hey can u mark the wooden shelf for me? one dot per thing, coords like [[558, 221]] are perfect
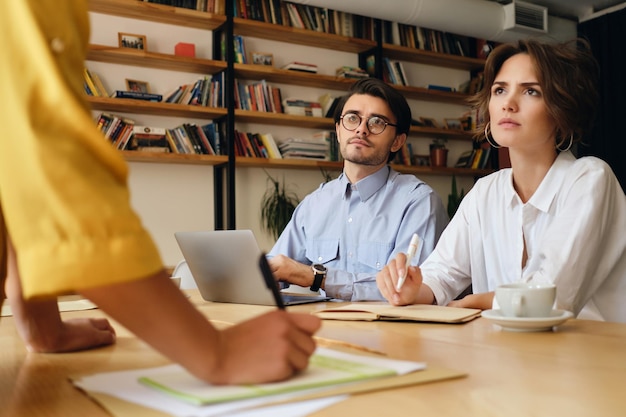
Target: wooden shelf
[[159, 109], [441, 133], [270, 31], [282, 119], [276, 75], [444, 171], [245, 116], [299, 164], [425, 94], [174, 158], [158, 13], [420, 56], [128, 56]]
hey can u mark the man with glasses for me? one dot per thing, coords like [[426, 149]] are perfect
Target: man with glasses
[[347, 230]]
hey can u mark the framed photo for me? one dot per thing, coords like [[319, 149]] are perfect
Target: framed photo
[[133, 41], [137, 86], [454, 124], [262, 58], [421, 160], [429, 122]]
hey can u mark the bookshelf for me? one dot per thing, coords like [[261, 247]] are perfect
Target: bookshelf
[[224, 165]]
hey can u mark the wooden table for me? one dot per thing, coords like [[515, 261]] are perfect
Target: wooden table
[[577, 370]]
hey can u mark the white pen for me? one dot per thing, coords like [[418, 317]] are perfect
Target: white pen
[[410, 253]]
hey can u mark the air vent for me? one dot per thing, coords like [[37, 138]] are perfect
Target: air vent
[[525, 17]]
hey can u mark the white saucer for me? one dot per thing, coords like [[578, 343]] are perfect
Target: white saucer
[[527, 324]]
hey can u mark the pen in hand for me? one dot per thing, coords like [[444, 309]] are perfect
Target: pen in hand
[[410, 253], [270, 281]]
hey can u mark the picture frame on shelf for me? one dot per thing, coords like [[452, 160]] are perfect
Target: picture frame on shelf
[[137, 86], [429, 122], [421, 160], [132, 41], [453, 124], [262, 58]]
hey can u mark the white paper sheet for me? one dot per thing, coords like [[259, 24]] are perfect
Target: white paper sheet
[[125, 385]]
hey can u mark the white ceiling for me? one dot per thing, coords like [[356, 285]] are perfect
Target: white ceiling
[[573, 9]]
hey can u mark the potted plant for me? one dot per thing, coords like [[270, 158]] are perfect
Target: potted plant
[[454, 198], [277, 207], [438, 153]]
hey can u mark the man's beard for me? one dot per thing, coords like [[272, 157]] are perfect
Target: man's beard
[[356, 157]]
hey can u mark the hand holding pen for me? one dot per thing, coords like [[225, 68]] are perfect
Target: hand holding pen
[[410, 253], [270, 282]]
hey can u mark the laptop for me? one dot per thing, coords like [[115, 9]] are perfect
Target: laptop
[[225, 266]]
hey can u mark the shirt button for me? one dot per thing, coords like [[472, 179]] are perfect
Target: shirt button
[[377, 265], [349, 219], [57, 45], [319, 258]]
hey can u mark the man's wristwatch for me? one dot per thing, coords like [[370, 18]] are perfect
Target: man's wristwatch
[[319, 272]]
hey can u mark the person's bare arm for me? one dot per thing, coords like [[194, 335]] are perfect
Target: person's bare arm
[[483, 301], [39, 322], [293, 272], [270, 347]]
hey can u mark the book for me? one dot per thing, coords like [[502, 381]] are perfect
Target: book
[[386, 312], [270, 145], [300, 66], [440, 87], [327, 368], [137, 95]]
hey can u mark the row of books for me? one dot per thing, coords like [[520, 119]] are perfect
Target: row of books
[[93, 84], [125, 134], [393, 72], [305, 148], [210, 6], [347, 71], [301, 16], [256, 145], [477, 158], [206, 91], [258, 96], [428, 39], [190, 138], [116, 129], [299, 107]]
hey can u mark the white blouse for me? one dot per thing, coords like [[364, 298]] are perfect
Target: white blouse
[[575, 230]]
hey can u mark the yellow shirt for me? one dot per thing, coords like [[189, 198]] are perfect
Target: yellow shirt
[[63, 188]]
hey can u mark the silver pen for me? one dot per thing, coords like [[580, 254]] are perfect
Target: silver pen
[[410, 253]]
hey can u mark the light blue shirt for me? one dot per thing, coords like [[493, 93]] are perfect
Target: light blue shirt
[[356, 229]]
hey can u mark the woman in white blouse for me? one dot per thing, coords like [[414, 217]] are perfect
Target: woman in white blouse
[[550, 217]]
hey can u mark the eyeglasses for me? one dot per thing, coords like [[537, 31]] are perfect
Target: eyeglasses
[[376, 125]]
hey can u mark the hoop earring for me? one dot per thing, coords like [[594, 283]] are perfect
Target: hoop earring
[[569, 145], [491, 141]]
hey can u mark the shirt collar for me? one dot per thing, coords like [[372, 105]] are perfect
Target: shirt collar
[[369, 185], [551, 184], [546, 192]]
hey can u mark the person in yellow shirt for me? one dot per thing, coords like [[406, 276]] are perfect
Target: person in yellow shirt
[[66, 224]]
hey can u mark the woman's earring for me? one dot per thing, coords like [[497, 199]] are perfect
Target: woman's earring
[[569, 145], [491, 141]]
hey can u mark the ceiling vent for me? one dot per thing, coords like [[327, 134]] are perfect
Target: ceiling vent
[[525, 17]]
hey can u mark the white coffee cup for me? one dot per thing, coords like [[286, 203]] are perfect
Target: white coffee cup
[[526, 299]]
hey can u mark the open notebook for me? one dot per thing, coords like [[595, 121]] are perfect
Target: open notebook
[[417, 312]]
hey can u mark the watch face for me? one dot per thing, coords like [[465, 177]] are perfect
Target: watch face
[[319, 268]]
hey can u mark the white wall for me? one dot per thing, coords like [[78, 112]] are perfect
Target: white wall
[[171, 197]]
